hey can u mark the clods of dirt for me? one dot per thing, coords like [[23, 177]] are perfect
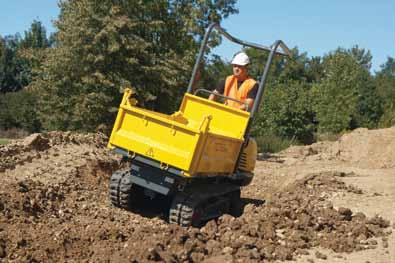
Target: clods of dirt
[[54, 207]]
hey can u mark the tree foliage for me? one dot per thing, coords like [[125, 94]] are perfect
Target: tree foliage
[[212, 72], [17, 111], [308, 95], [74, 77], [385, 83], [19, 55], [362, 56], [103, 45], [286, 111], [35, 37], [13, 70], [346, 97]]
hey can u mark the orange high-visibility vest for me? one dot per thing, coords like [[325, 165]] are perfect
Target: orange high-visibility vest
[[241, 93]]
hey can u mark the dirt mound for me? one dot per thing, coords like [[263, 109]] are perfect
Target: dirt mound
[[54, 207], [367, 148], [364, 148], [53, 156]]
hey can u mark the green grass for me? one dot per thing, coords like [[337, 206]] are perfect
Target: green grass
[[3, 141], [271, 143]]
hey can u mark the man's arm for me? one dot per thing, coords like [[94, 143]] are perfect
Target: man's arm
[[218, 90], [250, 98]]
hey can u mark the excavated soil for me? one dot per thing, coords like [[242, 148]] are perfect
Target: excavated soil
[[54, 206]]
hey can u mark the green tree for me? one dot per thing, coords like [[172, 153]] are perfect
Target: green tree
[[385, 83], [282, 69], [388, 68], [35, 37], [361, 55], [346, 97], [314, 69], [214, 71], [33, 49], [12, 68], [287, 112], [17, 111], [335, 96], [19, 55], [369, 104], [101, 45]]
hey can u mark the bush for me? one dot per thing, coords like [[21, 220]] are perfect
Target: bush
[[286, 112], [271, 143], [19, 111], [387, 119]]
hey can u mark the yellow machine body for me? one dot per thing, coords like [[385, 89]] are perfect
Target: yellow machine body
[[202, 138], [248, 156]]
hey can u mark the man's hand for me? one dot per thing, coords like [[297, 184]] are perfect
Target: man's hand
[[212, 96], [249, 102]]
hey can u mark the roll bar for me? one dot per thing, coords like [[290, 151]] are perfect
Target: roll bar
[[273, 51]]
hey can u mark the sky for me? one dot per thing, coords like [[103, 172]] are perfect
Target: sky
[[17, 15], [314, 26]]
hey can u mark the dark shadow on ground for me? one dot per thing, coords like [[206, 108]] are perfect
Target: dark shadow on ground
[[269, 157], [160, 205], [256, 202], [151, 208]]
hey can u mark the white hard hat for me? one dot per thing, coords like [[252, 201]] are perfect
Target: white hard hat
[[241, 59]]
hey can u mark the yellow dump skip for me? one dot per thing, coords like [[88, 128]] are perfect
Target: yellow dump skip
[[202, 138]]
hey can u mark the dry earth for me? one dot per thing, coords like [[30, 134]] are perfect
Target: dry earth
[[328, 202]]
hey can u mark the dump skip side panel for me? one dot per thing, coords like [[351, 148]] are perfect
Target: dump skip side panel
[[219, 155], [155, 137], [203, 138]]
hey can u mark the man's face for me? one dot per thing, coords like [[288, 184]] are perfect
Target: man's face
[[239, 71]]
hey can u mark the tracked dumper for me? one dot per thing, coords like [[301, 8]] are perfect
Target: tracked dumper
[[199, 157]]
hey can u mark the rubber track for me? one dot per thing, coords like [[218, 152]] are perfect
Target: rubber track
[[120, 189], [181, 211], [183, 208]]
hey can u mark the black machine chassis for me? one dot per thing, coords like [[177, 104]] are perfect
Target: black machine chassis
[[194, 200], [151, 174]]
